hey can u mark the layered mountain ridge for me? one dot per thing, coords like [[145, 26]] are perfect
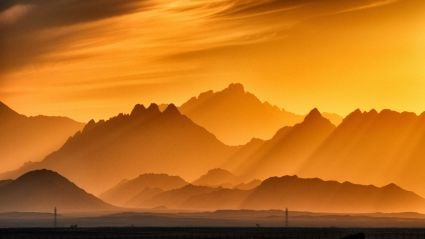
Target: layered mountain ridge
[[147, 140], [24, 139], [305, 194], [285, 152], [127, 190], [236, 116]]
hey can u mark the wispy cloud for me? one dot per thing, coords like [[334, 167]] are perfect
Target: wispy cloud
[[368, 6], [14, 13]]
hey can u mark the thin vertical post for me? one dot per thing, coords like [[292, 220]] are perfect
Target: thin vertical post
[[55, 219], [286, 218]]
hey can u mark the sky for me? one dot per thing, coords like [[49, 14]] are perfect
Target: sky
[[94, 59]]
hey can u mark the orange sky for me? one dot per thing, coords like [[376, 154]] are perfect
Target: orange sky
[[75, 59]]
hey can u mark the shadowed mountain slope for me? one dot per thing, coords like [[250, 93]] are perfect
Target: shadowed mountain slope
[[218, 178], [286, 152], [42, 190], [236, 116], [24, 139], [128, 189], [374, 147], [124, 146]]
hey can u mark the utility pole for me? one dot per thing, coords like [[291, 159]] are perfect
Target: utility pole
[[286, 218], [55, 218]]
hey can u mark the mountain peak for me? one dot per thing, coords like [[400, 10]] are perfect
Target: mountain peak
[[313, 115], [218, 177], [40, 174], [138, 109], [41, 190], [236, 88], [6, 110], [154, 108], [171, 109]]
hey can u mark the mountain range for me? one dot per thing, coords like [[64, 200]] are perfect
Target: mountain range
[[129, 190], [235, 116], [373, 147], [24, 139], [43, 190], [146, 140], [285, 152], [367, 147], [291, 192]]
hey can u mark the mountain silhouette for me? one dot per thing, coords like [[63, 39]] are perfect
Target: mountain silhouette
[[236, 116], [24, 139], [373, 147], [218, 178], [4, 182], [249, 185], [128, 189], [286, 151], [331, 196], [176, 198], [300, 194], [42, 190], [147, 140]]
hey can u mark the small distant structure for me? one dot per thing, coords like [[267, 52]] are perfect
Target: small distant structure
[[55, 217], [286, 218]]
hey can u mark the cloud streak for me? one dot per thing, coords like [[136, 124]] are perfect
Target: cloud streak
[[79, 45], [28, 27]]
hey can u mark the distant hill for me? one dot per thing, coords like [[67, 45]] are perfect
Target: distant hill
[[236, 116], [316, 195], [286, 152], [24, 139], [126, 190], [218, 178], [292, 192], [175, 198], [42, 190], [124, 146]]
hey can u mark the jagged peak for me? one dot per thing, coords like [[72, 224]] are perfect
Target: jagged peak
[[89, 125], [355, 114], [204, 95], [138, 109], [153, 108], [171, 109], [313, 115], [235, 87], [391, 186], [372, 112]]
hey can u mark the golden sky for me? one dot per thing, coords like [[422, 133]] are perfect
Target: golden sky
[[93, 59]]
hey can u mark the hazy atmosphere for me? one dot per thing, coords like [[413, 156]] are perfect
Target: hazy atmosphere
[[79, 60], [212, 119]]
